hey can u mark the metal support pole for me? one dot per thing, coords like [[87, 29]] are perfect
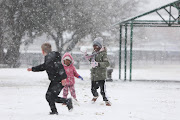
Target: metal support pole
[[120, 45], [131, 45], [169, 14], [179, 17], [125, 52]]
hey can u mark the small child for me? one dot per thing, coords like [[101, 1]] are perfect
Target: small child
[[99, 63], [71, 72]]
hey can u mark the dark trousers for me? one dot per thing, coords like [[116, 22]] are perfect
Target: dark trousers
[[52, 95], [95, 85]]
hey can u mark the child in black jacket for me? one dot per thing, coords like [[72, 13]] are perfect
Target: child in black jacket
[[57, 76]]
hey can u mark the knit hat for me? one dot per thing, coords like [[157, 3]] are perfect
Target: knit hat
[[98, 41], [67, 58]]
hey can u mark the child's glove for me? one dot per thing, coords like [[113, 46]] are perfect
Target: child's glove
[[87, 57], [85, 53], [94, 64], [80, 77]]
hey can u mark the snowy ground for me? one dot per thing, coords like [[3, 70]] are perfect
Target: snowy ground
[[23, 98], [152, 72]]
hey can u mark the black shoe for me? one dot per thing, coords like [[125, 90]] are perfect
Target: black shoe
[[69, 104], [53, 113]]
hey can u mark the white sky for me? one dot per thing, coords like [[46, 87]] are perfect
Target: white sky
[[152, 4]]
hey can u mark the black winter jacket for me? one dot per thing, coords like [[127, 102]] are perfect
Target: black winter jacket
[[53, 67]]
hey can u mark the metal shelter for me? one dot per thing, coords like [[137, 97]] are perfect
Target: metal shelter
[[171, 21]]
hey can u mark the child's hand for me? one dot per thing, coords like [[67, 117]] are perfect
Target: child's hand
[[85, 53], [94, 64], [86, 57], [80, 78], [29, 69], [63, 82]]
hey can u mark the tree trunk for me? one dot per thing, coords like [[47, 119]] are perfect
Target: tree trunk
[[57, 44], [72, 44], [61, 46], [13, 54], [59, 41], [1, 46], [1, 50], [75, 39]]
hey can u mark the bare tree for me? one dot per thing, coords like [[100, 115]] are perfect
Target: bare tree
[[68, 18], [20, 17], [66, 21], [106, 13], [85, 17]]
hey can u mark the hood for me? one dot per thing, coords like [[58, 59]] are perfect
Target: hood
[[103, 49], [69, 55]]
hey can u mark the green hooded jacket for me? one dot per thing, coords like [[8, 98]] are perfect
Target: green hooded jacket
[[99, 72]]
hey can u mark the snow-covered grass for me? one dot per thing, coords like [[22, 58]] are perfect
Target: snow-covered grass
[[151, 72], [23, 98]]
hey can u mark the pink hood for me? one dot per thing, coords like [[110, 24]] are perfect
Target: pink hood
[[70, 70], [65, 55]]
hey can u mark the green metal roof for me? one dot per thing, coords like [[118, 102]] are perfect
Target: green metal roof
[[173, 21]]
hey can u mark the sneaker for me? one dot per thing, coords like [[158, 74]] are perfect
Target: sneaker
[[94, 99], [69, 104], [53, 113], [108, 103]]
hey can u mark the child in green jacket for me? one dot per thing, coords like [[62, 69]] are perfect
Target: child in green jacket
[[99, 63]]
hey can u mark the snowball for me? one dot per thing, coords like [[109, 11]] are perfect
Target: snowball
[[83, 49]]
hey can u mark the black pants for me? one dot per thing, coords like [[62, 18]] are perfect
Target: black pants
[[95, 85], [52, 95]]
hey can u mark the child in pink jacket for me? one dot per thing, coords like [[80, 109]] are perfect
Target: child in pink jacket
[[71, 72]]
